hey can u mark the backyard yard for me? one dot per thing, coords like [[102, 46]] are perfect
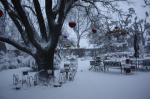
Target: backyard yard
[[86, 85]]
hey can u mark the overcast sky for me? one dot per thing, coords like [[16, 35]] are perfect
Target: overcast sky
[[140, 11]]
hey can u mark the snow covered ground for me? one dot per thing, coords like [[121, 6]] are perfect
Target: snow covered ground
[[87, 85]]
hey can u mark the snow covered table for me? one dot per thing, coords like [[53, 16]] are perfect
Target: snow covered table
[[140, 63], [111, 64]]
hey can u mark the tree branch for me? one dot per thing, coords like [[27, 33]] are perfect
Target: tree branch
[[15, 18], [50, 18], [15, 44], [23, 18], [61, 11], [49, 13], [40, 19], [25, 6]]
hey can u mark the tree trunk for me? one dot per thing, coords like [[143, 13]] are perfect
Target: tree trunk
[[136, 46], [44, 60], [78, 43]]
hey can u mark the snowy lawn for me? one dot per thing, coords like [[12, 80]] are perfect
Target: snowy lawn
[[87, 85]]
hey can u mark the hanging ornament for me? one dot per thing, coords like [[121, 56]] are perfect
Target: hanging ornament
[[72, 24], [94, 30], [1, 13]]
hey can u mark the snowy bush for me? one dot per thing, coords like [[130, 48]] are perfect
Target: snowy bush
[[12, 61], [57, 60]]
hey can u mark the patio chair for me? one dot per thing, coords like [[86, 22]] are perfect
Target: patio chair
[[26, 78], [67, 70], [62, 76], [16, 79], [146, 64], [92, 64]]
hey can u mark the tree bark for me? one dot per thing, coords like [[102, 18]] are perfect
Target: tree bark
[[2, 47], [44, 60], [78, 43]]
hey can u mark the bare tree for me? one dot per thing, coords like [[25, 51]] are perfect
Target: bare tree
[[41, 44], [78, 14]]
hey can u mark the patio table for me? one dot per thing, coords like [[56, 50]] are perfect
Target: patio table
[[112, 63]]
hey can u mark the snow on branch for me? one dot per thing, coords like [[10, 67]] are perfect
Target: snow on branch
[[40, 19], [15, 44], [16, 19], [24, 19]]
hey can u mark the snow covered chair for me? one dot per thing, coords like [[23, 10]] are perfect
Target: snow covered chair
[[127, 66], [134, 63], [25, 78], [67, 70], [16, 79], [72, 73], [62, 76], [146, 64], [16, 82], [92, 64], [96, 65]]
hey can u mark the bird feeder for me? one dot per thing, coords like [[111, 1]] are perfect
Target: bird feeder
[[1, 13], [72, 24], [94, 30]]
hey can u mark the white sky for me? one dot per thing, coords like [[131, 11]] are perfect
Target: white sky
[[140, 11]]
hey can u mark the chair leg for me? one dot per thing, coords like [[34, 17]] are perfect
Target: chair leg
[[91, 68]]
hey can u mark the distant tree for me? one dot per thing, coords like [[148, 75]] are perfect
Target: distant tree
[[78, 14]]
